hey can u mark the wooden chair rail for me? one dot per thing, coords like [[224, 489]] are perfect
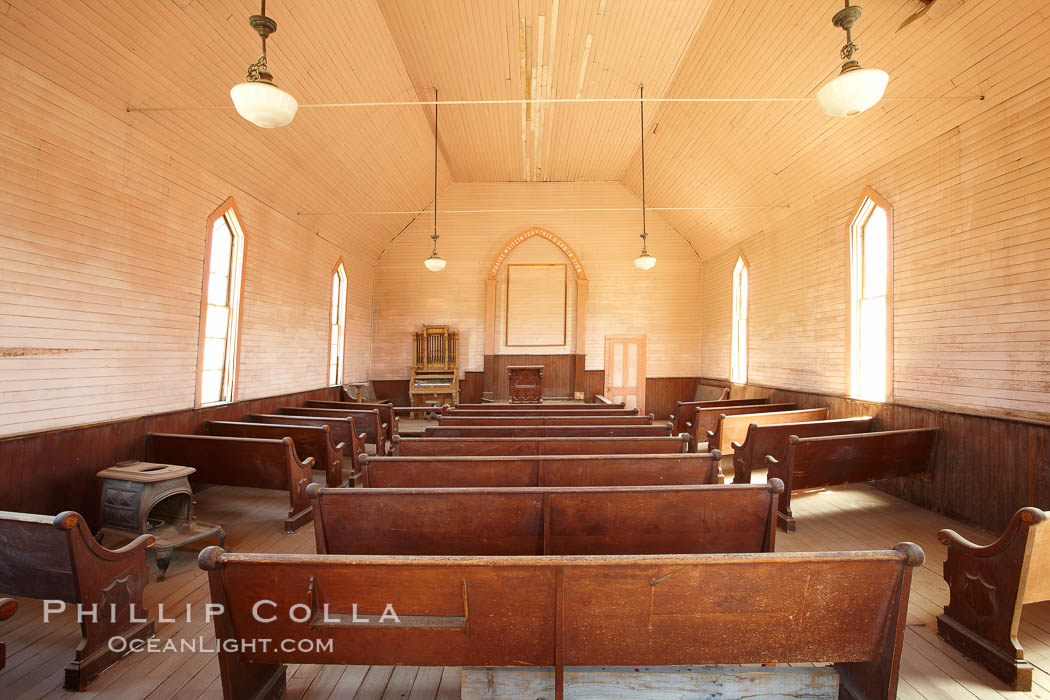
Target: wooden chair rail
[[57, 558], [252, 462], [843, 459], [988, 585], [539, 446], [550, 470], [640, 610]]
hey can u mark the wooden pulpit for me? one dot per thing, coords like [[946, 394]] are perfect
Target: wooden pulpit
[[526, 383]]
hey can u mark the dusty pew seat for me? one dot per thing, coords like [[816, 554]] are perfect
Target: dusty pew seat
[[310, 441], [989, 585], [845, 459], [252, 462], [547, 470], [57, 559]]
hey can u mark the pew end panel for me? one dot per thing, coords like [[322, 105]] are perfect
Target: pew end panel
[[988, 586], [58, 559], [8, 607]]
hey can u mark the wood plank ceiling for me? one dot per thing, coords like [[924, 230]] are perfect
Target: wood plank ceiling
[[332, 165]]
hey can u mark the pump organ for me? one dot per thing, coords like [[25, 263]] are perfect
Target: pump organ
[[435, 374]]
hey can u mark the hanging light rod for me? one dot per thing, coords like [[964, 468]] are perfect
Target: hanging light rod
[[536, 211], [565, 100]]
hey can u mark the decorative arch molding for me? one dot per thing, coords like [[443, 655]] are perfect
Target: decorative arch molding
[[542, 233], [581, 304]]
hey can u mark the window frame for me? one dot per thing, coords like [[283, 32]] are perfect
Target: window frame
[[855, 291], [238, 259], [338, 269], [735, 322]]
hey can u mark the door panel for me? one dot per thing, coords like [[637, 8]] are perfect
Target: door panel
[[625, 370]]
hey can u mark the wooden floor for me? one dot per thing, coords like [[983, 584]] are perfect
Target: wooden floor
[[858, 517]]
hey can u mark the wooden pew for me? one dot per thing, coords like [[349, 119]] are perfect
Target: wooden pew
[[732, 428], [556, 611], [547, 420], [344, 430], [534, 406], [549, 470], [310, 441], [414, 447], [253, 462], [988, 585], [706, 418], [762, 440], [603, 413], [57, 559], [844, 459], [469, 431], [386, 411], [366, 421], [8, 607], [685, 411], [543, 520]]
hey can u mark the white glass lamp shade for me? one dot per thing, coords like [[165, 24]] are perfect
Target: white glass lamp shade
[[263, 104], [434, 263], [644, 262], [852, 92]]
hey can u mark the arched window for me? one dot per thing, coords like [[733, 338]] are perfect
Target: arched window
[[738, 360], [337, 325], [221, 306], [871, 299]]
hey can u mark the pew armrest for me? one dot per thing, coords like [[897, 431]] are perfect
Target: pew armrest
[[1019, 525]]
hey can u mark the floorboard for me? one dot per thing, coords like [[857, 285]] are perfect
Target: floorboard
[[854, 517]]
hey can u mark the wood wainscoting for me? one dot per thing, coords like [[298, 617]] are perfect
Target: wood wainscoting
[[985, 468], [559, 374], [51, 471], [661, 393], [396, 390]]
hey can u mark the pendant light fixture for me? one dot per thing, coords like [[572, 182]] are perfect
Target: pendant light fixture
[[435, 263], [855, 89], [643, 261], [257, 99]]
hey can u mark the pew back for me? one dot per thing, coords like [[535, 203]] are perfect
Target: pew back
[[772, 439], [534, 406], [685, 411], [344, 430], [843, 459], [659, 610], [706, 418], [609, 520], [603, 413], [310, 441], [386, 411], [366, 420], [539, 431], [456, 419], [539, 446], [551, 470], [253, 462], [733, 428]]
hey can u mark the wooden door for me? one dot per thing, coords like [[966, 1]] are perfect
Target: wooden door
[[625, 370]]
